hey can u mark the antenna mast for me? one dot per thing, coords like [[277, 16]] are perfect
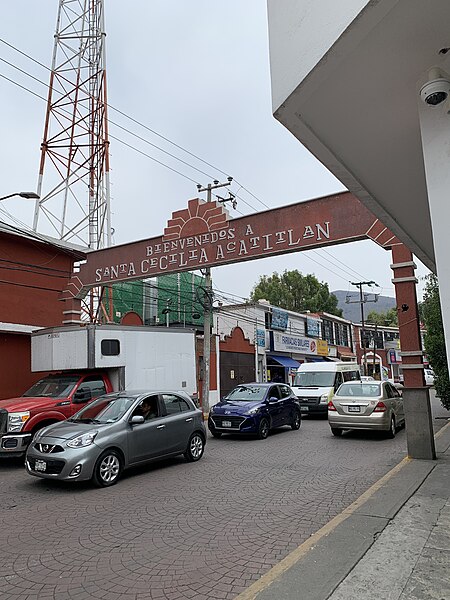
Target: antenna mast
[[75, 147]]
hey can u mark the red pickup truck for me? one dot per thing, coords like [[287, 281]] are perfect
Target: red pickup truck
[[53, 398]]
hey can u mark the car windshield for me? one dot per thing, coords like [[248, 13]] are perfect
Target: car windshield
[[314, 379], [106, 409], [247, 393], [369, 390], [52, 387]]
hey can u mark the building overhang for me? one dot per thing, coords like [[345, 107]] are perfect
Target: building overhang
[[347, 86], [18, 328]]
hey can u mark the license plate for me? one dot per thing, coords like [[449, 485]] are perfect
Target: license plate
[[226, 423], [304, 408], [354, 409], [40, 465]]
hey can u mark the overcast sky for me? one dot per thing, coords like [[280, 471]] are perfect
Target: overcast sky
[[197, 72]]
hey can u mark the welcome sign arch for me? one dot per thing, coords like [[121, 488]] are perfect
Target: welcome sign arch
[[202, 235]]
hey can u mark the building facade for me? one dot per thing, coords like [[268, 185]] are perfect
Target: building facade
[[34, 271], [277, 341]]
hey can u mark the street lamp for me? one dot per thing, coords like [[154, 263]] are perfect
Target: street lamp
[[28, 195]]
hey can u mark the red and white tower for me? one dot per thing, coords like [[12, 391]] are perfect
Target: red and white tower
[[75, 191]]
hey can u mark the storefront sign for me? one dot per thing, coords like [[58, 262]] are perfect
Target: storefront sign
[[394, 357], [322, 348], [286, 342], [261, 338], [312, 327]]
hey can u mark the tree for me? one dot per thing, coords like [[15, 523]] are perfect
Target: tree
[[388, 318], [434, 339], [293, 291]]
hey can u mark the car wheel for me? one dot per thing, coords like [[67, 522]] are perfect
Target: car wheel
[[108, 468], [195, 448], [296, 420], [263, 430], [392, 429], [336, 432]]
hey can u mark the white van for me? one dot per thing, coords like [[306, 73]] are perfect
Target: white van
[[315, 384]]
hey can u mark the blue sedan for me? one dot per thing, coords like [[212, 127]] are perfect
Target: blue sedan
[[255, 408]]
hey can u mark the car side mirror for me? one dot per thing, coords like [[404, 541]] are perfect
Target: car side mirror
[[272, 399], [81, 396], [137, 420]]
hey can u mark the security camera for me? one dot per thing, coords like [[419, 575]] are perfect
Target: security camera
[[437, 88]]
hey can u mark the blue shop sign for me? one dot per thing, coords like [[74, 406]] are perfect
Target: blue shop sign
[[279, 319], [261, 338], [312, 327]]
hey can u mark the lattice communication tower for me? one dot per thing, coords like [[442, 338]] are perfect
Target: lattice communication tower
[[75, 192]]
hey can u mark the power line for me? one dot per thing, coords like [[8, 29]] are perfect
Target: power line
[[152, 158], [141, 125], [36, 287], [32, 265], [122, 141], [340, 265]]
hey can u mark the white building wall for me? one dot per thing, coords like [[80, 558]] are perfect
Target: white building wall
[[296, 324], [300, 33], [248, 318]]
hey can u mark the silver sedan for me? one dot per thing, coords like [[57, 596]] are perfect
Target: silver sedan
[[376, 405], [115, 432]]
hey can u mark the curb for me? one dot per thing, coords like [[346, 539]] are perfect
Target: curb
[[315, 550]]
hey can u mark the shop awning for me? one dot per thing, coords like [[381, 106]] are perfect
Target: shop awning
[[285, 361]]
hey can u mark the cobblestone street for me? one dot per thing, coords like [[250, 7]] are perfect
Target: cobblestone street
[[175, 530]]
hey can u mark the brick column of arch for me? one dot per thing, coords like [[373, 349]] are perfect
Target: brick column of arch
[[416, 396]]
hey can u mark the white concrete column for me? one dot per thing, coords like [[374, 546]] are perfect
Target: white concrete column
[[435, 132]]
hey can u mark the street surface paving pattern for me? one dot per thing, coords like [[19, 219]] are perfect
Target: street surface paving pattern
[[176, 531]]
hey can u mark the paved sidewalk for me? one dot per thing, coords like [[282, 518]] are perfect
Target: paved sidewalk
[[393, 543]]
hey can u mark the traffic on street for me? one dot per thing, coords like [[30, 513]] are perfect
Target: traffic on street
[[174, 530]]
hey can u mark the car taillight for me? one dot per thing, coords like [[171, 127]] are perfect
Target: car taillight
[[331, 406], [380, 407]]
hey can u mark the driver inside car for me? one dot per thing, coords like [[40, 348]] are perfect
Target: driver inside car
[[149, 408]]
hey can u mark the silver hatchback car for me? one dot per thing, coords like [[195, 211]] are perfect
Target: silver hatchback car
[[376, 405], [117, 431]]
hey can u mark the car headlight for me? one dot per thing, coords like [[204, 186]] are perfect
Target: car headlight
[[17, 420], [212, 409], [81, 441], [324, 399], [253, 411]]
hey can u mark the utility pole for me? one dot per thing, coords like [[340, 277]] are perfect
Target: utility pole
[[362, 300], [207, 305], [375, 334], [374, 348]]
